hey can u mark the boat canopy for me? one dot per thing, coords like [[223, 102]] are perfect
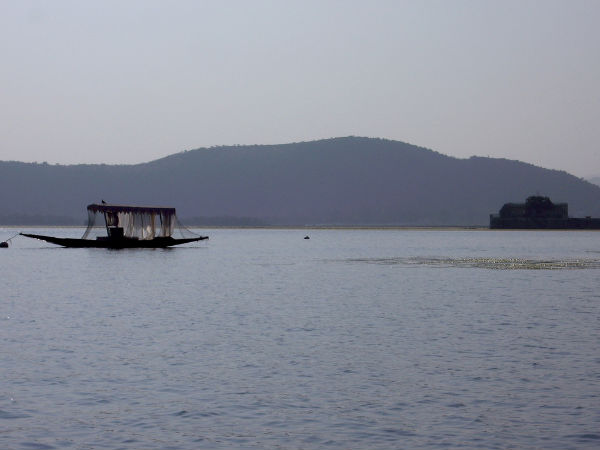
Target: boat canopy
[[106, 208], [138, 222]]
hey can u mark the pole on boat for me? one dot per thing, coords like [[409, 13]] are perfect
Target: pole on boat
[[105, 219]]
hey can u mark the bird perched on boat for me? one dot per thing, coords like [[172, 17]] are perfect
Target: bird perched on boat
[[103, 202]]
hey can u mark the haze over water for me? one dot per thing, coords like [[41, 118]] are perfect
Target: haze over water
[[378, 339]]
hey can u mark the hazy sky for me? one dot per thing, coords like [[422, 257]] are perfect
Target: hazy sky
[[130, 81]]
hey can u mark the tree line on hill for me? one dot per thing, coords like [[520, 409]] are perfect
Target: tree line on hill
[[351, 181]]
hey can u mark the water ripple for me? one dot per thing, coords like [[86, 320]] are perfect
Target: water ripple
[[9, 415], [486, 263], [261, 342]]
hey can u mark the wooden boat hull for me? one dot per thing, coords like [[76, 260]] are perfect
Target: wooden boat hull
[[159, 242]]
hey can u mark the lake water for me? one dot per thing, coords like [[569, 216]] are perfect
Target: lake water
[[260, 339]]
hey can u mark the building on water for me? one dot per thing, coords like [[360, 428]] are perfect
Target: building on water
[[540, 213]]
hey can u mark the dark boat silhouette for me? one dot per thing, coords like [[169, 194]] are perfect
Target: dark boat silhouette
[[127, 227]]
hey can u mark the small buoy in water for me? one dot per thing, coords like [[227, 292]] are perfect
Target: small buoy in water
[[3, 244], [306, 237]]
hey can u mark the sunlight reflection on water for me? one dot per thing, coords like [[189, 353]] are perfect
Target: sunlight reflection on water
[[486, 263]]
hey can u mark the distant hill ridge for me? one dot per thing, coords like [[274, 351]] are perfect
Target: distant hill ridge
[[594, 180], [348, 181]]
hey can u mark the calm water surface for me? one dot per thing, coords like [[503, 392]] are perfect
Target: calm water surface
[[258, 339]]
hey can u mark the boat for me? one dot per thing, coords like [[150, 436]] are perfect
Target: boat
[[127, 227]]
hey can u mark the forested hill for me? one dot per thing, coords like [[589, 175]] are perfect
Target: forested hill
[[341, 181]]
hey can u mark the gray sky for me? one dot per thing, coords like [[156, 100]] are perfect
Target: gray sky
[[130, 81]]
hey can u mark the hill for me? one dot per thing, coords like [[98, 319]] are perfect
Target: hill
[[340, 181]]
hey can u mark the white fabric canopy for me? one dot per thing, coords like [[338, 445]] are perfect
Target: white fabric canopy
[[136, 221]]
